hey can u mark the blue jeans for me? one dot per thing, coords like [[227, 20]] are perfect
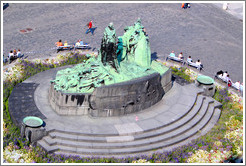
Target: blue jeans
[[5, 60], [88, 30]]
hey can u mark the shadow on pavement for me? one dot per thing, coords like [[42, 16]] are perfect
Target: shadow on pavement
[[154, 56], [5, 5]]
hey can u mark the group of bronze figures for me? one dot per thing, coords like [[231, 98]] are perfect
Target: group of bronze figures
[[133, 46]]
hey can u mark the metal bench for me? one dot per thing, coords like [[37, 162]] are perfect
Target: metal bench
[[84, 46], [60, 48], [65, 47], [199, 67], [175, 59], [221, 77]]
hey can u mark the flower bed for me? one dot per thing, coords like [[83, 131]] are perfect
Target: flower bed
[[223, 143]]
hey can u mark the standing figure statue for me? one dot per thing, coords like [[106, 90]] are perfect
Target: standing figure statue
[[120, 50], [136, 47], [109, 47]]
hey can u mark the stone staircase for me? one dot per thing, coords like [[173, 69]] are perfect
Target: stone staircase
[[177, 119]]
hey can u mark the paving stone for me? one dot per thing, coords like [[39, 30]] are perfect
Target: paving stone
[[75, 144], [166, 117], [128, 128], [187, 100], [92, 151], [180, 109], [119, 138]]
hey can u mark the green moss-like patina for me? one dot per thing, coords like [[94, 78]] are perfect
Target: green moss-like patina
[[205, 79], [130, 59]]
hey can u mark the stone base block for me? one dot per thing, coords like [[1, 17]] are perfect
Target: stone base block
[[113, 100], [208, 90], [33, 134]]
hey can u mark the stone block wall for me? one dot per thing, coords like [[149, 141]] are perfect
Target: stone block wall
[[68, 103], [113, 100], [166, 80], [126, 97]]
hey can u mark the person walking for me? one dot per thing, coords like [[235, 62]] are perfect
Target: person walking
[[89, 28]]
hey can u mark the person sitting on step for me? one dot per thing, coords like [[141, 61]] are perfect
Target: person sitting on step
[[81, 42], [172, 54], [19, 55], [224, 76], [11, 56], [58, 44], [181, 56], [189, 60], [199, 64]]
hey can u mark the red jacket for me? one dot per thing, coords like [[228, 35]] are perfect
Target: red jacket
[[90, 24]]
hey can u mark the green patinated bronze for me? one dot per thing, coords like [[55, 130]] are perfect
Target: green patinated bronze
[[118, 61], [107, 53], [205, 80], [32, 121], [136, 47]]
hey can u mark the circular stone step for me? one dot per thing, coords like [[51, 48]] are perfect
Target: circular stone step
[[173, 121]]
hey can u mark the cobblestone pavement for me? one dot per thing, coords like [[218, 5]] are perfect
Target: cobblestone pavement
[[204, 31]]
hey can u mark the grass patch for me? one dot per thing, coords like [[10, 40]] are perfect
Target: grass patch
[[181, 73]]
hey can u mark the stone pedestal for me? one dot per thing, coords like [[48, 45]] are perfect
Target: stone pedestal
[[69, 103], [207, 84], [113, 100], [126, 97], [208, 90], [32, 134]]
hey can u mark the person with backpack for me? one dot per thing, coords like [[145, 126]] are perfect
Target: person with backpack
[[89, 25]]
